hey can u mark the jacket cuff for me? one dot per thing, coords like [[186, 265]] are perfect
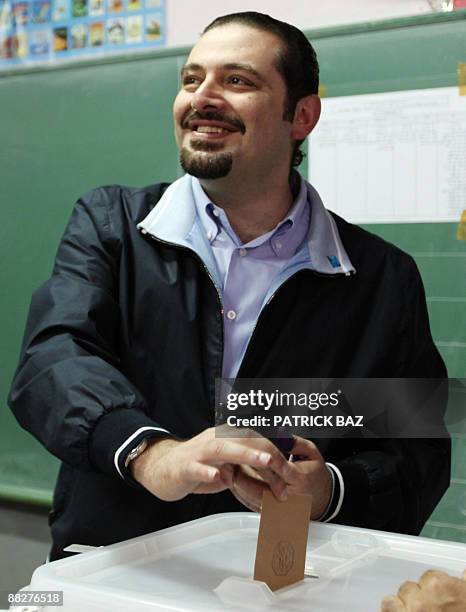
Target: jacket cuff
[[116, 434], [338, 494], [143, 433], [354, 497]]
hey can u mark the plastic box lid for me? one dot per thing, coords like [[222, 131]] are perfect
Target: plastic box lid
[[207, 565]]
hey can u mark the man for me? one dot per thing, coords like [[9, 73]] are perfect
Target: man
[[235, 269]]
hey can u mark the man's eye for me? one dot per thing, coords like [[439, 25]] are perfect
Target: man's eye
[[190, 80], [237, 80]]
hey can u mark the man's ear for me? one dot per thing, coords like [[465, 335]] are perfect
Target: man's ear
[[306, 116]]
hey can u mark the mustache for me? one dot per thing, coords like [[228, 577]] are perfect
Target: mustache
[[235, 123]]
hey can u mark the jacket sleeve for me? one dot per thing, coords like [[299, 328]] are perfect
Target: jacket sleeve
[[395, 484], [68, 390]]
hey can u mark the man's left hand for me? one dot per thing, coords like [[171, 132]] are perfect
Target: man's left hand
[[308, 475]]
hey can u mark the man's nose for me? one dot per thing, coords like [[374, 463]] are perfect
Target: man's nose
[[208, 96]]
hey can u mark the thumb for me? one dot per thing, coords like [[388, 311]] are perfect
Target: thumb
[[305, 448]]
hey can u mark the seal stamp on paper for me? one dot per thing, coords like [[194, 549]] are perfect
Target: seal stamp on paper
[[283, 558], [282, 540]]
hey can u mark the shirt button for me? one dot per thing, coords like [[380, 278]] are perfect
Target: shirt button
[[243, 252], [215, 212], [278, 244], [231, 314], [209, 235]]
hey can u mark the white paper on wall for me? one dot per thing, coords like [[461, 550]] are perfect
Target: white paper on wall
[[392, 157]]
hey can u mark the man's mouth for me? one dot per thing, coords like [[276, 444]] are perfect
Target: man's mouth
[[210, 129], [213, 125]]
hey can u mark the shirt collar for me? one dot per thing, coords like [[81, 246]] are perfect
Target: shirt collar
[[174, 216], [284, 239], [204, 210]]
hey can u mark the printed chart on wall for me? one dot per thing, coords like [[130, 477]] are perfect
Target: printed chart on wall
[[392, 157], [38, 31]]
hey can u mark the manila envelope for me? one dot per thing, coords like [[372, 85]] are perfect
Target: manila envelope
[[281, 545]]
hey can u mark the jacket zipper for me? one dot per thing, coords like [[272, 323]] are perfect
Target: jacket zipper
[[220, 309]]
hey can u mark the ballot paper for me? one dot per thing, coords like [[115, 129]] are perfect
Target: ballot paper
[[282, 540]]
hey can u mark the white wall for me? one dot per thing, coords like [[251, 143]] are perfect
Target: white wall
[[187, 18]]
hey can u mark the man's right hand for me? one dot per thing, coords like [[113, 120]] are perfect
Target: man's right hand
[[171, 469]]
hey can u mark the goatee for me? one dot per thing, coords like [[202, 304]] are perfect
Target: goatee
[[206, 161]]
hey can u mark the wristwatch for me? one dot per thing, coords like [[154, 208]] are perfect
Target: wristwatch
[[136, 451]]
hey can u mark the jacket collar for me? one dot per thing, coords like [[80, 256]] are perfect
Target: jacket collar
[[174, 216]]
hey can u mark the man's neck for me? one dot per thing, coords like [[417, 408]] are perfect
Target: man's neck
[[255, 211]]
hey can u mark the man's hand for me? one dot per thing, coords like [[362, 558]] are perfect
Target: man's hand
[[248, 485], [308, 475], [205, 464], [435, 592]]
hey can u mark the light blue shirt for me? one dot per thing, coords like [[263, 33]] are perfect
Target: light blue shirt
[[246, 271]]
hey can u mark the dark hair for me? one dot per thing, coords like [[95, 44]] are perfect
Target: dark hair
[[296, 62]]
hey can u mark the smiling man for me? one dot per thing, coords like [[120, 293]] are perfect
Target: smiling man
[[237, 122], [236, 269]]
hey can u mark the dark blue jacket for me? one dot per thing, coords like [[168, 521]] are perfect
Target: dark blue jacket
[[128, 333]]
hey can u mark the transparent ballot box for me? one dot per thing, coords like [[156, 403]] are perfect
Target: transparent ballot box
[[207, 565]]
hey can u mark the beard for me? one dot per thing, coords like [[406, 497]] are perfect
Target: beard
[[206, 161]]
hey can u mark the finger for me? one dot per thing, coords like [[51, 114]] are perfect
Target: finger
[[253, 504], [276, 484], [430, 578], [440, 588], [194, 472], [242, 495], [252, 486], [251, 439], [257, 473], [303, 475], [279, 464], [263, 474], [249, 488], [392, 604], [408, 592], [226, 474], [305, 448], [220, 451], [244, 501], [200, 478]]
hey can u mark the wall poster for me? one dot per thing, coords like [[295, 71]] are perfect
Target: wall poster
[[44, 31]]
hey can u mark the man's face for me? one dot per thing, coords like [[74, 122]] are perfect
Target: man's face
[[229, 111]]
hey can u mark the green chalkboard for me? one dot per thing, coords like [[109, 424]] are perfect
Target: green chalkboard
[[67, 129]]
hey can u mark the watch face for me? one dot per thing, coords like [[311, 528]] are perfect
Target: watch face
[[135, 452]]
